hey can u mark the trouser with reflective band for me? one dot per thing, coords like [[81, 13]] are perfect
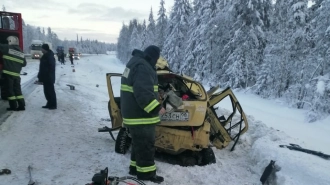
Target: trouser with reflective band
[[14, 92], [143, 150]]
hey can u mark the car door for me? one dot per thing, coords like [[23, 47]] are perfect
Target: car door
[[113, 82], [228, 120]]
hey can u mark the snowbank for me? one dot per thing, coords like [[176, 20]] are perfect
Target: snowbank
[[296, 167]]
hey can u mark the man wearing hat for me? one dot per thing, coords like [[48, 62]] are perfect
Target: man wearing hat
[[46, 76], [13, 61], [140, 110]]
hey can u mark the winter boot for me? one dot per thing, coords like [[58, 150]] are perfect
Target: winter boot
[[154, 179], [132, 171], [20, 108], [11, 109]]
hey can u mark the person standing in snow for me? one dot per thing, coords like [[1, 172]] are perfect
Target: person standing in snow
[[46, 76], [62, 58], [13, 61], [140, 110], [71, 58]]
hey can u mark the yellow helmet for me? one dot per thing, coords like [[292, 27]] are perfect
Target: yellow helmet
[[161, 63]]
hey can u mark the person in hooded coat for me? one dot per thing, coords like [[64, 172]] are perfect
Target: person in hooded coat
[[46, 76], [140, 110]]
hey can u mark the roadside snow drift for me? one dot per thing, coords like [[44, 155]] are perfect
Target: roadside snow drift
[[63, 146]]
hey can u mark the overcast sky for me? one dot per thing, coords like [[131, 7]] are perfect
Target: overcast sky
[[98, 19]]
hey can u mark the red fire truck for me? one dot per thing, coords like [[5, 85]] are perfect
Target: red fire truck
[[74, 53], [10, 25]]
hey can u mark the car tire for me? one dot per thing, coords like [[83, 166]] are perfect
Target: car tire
[[123, 141], [208, 156]]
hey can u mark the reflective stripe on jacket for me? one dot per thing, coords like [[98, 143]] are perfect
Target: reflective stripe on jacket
[[13, 59], [139, 92]]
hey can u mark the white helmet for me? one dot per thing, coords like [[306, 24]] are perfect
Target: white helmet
[[12, 40]]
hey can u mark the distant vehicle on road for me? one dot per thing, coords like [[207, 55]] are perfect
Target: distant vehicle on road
[[74, 52], [36, 48]]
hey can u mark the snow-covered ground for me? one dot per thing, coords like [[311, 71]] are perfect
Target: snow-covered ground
[[292, 121], [31, 70], [64, 147]]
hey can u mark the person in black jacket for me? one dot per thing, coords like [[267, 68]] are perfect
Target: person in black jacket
[[71, 58], [140, 110], [14, 60], [46, 76]]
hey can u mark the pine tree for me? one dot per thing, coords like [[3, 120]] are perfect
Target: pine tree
[[123, 42], [151, 30], [161, 25], [135, 42], [195, 50], [144, 35], [245, 49], [175, 42]]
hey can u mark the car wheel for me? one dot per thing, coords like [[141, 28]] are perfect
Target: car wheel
[[208, 156], [123, 141]]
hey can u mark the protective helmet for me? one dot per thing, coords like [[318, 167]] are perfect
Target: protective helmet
[[12, 40], [161, 63]]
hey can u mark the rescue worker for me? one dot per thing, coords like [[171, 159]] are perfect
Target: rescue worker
[[2, 80], [46, 76], [140, 110], [13, 61]]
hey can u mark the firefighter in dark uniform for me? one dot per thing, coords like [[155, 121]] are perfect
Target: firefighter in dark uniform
[[14, 60], [140, 110], [2, 80]]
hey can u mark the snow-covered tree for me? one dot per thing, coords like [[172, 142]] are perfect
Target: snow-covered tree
[[245, 49], [151, 30], [123, 42], [136, 41], [276, 48], [318, 85], [144, 35], [196, 50], [215, 29], [176, 40], [161, 25]]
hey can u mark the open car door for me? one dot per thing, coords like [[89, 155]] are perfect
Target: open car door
[[226, 125], [113, 104]]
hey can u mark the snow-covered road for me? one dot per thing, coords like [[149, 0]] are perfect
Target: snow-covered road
[[64, 147]]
